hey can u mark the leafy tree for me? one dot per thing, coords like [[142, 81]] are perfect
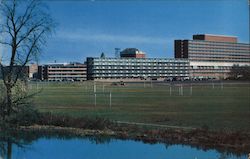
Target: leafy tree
[[24, 26], [240, 72]]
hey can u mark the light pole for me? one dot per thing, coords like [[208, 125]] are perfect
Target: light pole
[[95, 99], [94, 87], [110, 100], [191, 89]]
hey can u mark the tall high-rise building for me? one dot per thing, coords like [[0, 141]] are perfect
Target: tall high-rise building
[[212, 55], [213, 48]]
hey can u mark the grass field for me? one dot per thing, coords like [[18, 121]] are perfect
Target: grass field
[[217, 106]]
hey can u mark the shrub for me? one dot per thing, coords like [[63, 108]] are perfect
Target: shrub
[[24, 117], [67, 121]]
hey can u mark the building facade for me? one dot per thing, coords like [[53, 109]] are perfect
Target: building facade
[[137, 68], [33, 71], [212, 56], [63, 72]]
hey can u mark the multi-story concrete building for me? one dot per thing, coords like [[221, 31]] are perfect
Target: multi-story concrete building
[[63, 72], [212, 56], [33, 70], [137, 68]]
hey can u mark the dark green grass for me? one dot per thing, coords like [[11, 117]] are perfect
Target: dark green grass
[[226, 107]]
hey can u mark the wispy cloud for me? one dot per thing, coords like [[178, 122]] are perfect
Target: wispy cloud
[[102, 37]]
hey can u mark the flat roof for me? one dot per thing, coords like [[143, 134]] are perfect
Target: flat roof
[[217, 35], [221, 42], [140, 59]]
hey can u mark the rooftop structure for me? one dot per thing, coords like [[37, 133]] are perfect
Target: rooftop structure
[[218, 38], [132, 53]]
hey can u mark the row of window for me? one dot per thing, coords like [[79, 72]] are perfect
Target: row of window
[[138, 68], [71, 67], [137, 60], [219, 47], [141, 72], [66, 74], [247, 52], [219, 60], [209, 71], [212, 67], [138, 75], [217, 43], [220, 56], [200, 58], [140, 64], [67, 71]]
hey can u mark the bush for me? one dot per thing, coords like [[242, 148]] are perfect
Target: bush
[[67, 121], [24, 117], [205, 127]]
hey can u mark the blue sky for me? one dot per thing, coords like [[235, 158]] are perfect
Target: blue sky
[[87, 28]]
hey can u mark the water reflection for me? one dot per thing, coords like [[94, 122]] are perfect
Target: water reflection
[[6, 148], [32, 145], [6, 144]]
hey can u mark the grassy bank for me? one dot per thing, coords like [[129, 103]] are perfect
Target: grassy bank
[[212, 105], [49, 125], [230, 142]]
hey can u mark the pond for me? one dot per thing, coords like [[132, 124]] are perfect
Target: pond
[[91, 148]]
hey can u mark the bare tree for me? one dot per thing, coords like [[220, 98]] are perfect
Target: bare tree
[[25, 26]]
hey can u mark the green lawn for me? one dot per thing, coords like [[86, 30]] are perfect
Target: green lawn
[[224, 106]]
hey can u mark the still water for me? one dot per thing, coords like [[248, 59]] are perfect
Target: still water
[[87, 148]]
